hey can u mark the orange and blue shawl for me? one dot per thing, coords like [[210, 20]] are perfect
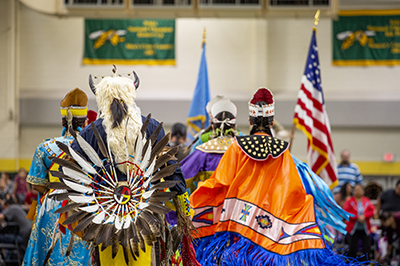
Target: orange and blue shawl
[[255, 210]]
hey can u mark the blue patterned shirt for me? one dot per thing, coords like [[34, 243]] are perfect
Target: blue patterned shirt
[[348, 174]]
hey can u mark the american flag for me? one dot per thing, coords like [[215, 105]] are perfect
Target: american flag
[[310, 116]]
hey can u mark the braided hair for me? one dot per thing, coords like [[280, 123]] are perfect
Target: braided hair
[[227, 128], [76, 122]]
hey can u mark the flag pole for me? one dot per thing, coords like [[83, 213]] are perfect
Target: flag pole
[[203, 43], [316, 20], [204, 37]]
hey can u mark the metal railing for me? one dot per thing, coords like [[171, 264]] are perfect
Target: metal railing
[[93, 3]]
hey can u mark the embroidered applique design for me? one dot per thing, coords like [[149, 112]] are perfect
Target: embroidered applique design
[[245, 212], [264, 221], [206, 216]]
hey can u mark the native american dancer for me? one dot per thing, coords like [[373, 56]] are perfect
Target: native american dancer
[[122, 173], [258, 208], [200, 164], [46, 234], [208, 133]]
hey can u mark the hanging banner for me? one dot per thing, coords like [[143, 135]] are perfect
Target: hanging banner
[[129, 41], [364, 38]]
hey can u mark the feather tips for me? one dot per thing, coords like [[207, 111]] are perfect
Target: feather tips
[[90, 152], [164, 159], [100, 142], [84, 223], [56, 185], [68, 207], [159, 146], [145, 124], [75, 217], [165, 172], [65, 163]]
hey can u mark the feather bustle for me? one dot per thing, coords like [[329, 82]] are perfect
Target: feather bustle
[[63, 147], [56, 237], [70, 245], [56, 185], [142, 246], [162, 196], [164, 159], [61, 196], [164, 172], [84, 223], [135, 248], [104, 234], [166, 184], [158, 148], [173, 151], [75, 217], [152, 138], [69, 207], [90, 152], [92, 232], [100, 142], [126, 255], [145, 124], [65, 163], [115, 246], [158, 208]]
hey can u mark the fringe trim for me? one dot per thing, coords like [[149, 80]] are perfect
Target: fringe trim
[[231, 249]]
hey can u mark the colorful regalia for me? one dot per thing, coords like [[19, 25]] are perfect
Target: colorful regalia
[[261, 208], [45, 226], [200, 164], [121, 174], [208, 133]]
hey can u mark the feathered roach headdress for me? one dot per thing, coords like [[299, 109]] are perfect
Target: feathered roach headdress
[[115, 96], [109, 212]]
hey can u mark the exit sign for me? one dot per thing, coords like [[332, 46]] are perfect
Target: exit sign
[[388, 157]]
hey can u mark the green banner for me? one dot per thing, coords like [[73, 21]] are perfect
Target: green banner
[[130, 41], [363, 38]]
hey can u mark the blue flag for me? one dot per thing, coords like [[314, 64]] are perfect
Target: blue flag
[[198, 117]]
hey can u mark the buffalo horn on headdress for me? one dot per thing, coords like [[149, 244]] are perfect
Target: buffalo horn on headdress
[[91, 84], [136, 82]]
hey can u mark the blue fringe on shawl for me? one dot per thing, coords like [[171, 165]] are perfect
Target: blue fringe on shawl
[[328, 212], [221, 250]]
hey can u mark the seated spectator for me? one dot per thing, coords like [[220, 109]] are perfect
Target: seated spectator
[[6, 184], [13, 213], [21, 187], [359, 226], [373, 190], [391, 225], [30, 197], [178, 138], [389, 201], [346, 191]]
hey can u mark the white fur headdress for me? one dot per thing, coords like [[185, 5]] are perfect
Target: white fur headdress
[[121, 92]]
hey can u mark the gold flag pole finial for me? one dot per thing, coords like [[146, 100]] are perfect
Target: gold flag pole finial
[[204, 37], [316, 18]]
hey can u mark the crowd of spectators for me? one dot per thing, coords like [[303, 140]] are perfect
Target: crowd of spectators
[[373, 233], [16, 197]]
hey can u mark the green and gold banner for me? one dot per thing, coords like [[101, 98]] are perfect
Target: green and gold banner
[[130, 41], [363, 38]]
